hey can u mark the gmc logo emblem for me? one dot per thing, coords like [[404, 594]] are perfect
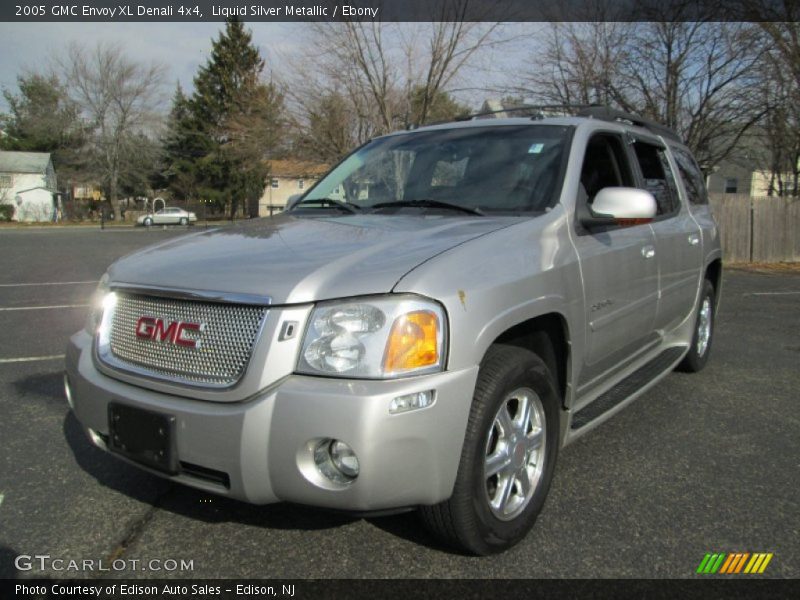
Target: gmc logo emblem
[[153, 328]]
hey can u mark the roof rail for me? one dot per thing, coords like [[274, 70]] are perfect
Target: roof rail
[[539, 108], [605, 113], [594, 111]]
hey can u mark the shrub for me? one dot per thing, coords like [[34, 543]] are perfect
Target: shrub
[[6, 212]]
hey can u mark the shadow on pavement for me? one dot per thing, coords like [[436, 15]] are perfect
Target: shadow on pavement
[[47, 385], [121, 477], [7, 568]]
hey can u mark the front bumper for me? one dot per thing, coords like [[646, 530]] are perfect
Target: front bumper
[[263, 446]]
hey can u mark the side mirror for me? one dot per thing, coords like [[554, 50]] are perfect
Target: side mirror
[[620, 206], [292, 201]]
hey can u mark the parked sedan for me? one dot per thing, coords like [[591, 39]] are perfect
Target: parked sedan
[[168, 216]]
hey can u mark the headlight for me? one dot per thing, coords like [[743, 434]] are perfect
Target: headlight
[[96, 305], [375, 338]]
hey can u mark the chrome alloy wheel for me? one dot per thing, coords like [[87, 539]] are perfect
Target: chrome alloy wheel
[[514, 457], [704, 326]]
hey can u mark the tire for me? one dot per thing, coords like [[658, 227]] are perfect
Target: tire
[[475, 519], [184, 221], [697, 356], [148, 222]]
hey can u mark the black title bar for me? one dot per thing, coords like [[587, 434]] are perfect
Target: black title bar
[[399, 10], [407, 589]]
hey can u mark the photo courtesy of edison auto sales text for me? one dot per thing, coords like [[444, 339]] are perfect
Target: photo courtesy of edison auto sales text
[[127, 589]]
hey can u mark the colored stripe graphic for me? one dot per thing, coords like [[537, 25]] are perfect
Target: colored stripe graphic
[[727, 563], [734, 563], [730, 567], [703, 563]]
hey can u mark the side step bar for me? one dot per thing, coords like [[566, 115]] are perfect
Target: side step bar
[[625, 388]]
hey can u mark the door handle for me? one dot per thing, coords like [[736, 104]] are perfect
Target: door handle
[[648, 251], [694, 239]]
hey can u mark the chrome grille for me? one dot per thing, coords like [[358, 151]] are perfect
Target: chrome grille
[[226, 341]]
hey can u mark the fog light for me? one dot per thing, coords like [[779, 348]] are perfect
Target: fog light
[[409, 402], [336, 461], [344, 459], [68, 392]]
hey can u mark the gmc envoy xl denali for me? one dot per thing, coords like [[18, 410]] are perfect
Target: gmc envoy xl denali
[[425, 328]]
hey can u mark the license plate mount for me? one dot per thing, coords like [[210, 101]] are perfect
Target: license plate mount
[[143, 436]]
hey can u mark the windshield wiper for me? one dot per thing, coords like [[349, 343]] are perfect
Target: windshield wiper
[[430, 203], [332, 202]]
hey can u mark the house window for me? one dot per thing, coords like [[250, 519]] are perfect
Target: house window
[[274, 182], [300, 184], [6, 181], [731, 185]]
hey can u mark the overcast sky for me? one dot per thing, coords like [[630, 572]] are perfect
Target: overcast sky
[[182, 47]]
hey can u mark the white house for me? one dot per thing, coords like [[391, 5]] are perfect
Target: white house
[[28, 182], [287, 178]]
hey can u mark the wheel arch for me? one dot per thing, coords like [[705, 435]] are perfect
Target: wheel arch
[[547, 336], [713, 273]]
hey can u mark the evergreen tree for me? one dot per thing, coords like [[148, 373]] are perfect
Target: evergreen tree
[[42, 119], [229, 108], [183, 145]]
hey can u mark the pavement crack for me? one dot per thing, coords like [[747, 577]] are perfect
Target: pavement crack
[[136, 529]]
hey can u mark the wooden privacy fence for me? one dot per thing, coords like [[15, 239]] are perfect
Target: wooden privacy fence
[[764, 229]]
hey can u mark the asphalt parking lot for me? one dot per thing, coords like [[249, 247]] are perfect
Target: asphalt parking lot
[[702, 463]]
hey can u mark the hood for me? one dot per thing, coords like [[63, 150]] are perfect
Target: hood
[[302, 259]]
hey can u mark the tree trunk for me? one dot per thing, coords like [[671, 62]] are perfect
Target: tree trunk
[[113, 197]]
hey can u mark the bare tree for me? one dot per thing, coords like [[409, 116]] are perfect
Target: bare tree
[[119, 99], [780, 90], [695, 77], [372, 77]]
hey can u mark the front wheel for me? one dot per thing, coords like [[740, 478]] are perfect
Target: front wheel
[[698, 353], [508, 456], [184, 221]]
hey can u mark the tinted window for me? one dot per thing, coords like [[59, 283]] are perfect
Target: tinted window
[[657, 177], [692, 177], [604, 165]]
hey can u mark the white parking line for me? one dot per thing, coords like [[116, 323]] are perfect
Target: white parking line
[[44, 307], [31, 358], [47, 283], [772, 294]]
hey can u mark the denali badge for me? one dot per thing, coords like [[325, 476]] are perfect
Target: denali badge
[[153, 328]]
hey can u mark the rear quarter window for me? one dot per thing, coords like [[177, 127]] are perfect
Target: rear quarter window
[[692, 176]]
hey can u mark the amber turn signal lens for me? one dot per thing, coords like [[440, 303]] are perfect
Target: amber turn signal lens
[[413, 342]]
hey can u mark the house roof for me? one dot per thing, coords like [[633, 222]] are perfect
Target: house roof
[[24, 162], [296, 168]]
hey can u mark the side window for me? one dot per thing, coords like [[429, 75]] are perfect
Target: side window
[[604, 165], [657, 175], [692, 176]]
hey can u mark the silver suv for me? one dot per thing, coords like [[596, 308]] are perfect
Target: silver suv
[[425, 328]]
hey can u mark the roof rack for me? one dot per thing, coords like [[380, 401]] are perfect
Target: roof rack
[[593, 111], [538, 108], [605, 113]]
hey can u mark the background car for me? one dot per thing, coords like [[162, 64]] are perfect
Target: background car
[[168, 216]]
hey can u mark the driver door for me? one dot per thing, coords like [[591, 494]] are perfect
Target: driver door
[[618, 265]]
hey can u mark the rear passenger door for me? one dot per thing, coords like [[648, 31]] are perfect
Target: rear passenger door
[[677, 236], [618, 265]]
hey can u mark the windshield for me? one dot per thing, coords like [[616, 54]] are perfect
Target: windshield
[[489, 169]]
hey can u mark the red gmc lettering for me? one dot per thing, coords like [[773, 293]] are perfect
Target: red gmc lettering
[[153, 328], [160, 334], [144, 327], [183, 341]]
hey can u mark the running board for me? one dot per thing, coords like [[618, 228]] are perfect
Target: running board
[[627, 387]]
